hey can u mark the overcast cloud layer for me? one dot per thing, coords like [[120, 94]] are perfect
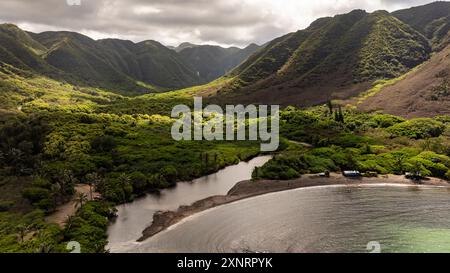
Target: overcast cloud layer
[[223, 22]]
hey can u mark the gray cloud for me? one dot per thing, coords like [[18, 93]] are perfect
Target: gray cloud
[[225, 22]]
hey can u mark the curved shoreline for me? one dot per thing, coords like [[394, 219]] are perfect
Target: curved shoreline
[[249, 189]]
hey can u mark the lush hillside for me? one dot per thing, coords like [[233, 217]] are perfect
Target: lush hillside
[[85, 59], [334, 57], [63, 56], [212, 62], [432, 20], [425, 92], [121, 66], [116, 61], [422, 16], [19, 49], [151, 63]]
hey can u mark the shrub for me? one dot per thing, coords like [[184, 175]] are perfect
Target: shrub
[[274, 170], [370, 166], [169, 174], [139, 182], [418, 128], [88, 226], [117, 190], [35, 194], [385, 121], [103, 144]]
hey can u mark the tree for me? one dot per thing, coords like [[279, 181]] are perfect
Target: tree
[[399, 160], [339, 116], [330, 107], [103, 144], [80, 200], [99, 182], [125, 182], [66, 181], [169, 174], [55, 192], [69, 222], [93, 180], [139, 182]]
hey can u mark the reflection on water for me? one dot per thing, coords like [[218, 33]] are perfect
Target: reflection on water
[[328, 219], [135, 217]]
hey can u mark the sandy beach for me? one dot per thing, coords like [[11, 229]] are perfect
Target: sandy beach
[[248, 189]]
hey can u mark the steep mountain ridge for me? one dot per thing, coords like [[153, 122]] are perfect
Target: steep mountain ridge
[[432, 20], [333, 58], [84, 58], [121, 66], [19, 49], [150, 62], [425, 92], [212, 62]]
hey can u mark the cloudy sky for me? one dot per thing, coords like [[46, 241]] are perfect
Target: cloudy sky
[[223, 22]]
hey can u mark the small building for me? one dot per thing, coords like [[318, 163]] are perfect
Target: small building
[[414, 175], [352, 174]]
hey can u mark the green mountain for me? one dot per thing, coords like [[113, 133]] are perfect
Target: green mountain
[[432, 20], [151, 63], [19, 49], [117, 65], [212, 62], [118, 62], [424, 92], [85, 59], [333, 58]]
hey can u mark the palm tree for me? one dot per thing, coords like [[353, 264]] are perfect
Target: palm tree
[[91, 184], [66, 180], [81, 199], [56, 192], [93, 180], [69, 222], [399, 159]]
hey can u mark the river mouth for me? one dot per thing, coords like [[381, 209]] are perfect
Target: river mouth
[[134, 217], [320, 219]]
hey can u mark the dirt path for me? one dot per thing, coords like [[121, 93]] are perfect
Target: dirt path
[[61, 214]]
